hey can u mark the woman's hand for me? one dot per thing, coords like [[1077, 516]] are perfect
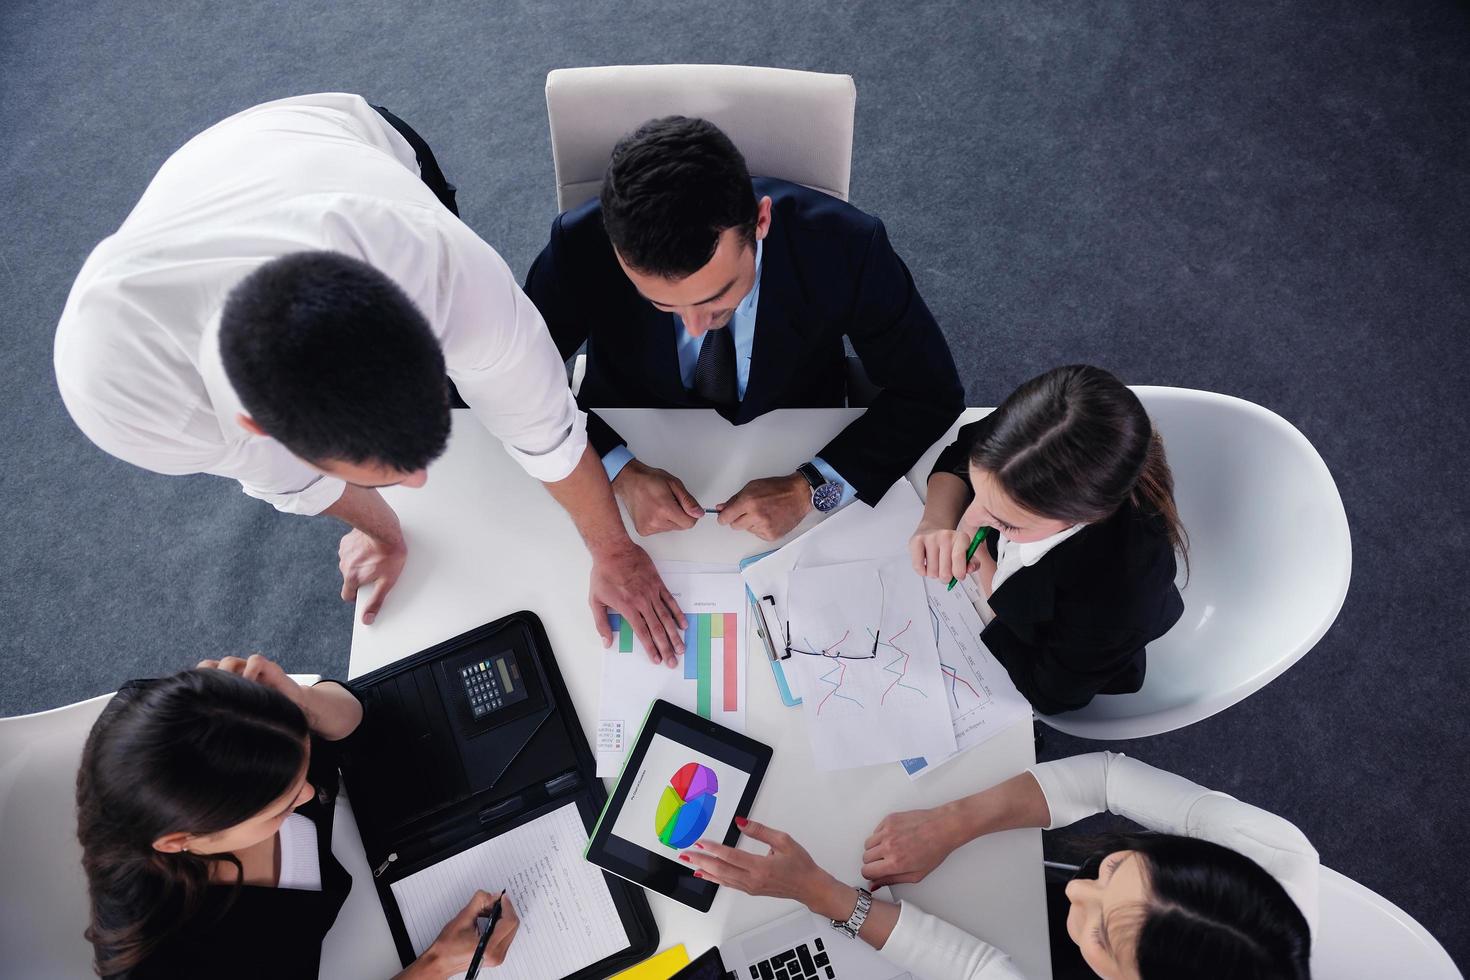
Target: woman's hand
[[938, 553], [788, 871], [906, 846], [263, 671], [452, 951], [331, 710]]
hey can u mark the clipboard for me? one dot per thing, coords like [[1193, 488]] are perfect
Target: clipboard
[[769, 627], [461, 743]]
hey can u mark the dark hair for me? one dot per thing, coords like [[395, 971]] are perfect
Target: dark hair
[[335, 362], [1074, 444], [197, 752], [671, 190], [1211, 913]]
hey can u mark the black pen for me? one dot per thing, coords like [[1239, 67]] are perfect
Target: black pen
[[484, 938]]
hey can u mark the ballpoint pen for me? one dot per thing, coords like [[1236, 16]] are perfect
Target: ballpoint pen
[[969, 553], [484, 938]]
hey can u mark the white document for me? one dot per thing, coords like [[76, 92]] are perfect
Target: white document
[[568, 920], [710, 678], [863, 648], [982, 700], [857, 532]]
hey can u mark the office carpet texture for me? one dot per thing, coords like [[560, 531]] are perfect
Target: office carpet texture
[[1263, 199]]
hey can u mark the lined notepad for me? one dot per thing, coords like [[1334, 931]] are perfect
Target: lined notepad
[[568, 920]]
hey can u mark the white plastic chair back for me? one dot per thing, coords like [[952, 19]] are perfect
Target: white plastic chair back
[[1363, 936], [1270, 562], [43, 892], [794, 125]]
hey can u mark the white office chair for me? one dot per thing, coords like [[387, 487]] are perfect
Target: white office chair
[[795, 125], [1270, 559], [1363, 936], [43, 892]]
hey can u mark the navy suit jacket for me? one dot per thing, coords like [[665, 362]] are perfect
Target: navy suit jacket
[[827, 271]]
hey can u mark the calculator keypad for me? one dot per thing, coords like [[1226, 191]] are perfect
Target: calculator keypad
[[482, 687]]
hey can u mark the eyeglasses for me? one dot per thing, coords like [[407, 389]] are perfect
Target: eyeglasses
[[871, 655]]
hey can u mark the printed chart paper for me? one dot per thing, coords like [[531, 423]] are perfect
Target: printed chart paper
[[710, 678], [568, 920], [982, 700], [678, 796], [863, 647]]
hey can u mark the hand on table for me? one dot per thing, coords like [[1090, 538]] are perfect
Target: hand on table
[[452, 951], [939, 554], [906, 846], [788, 871], [656, 499], [768, 507], [367, 560], [625, 581]]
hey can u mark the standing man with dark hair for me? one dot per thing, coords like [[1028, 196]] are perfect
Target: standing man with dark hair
[[282, 307], [695, 287]]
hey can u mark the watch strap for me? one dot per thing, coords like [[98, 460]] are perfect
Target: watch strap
[[812, 475], [854, 923]]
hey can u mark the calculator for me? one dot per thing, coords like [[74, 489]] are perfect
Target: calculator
[[491, 684]]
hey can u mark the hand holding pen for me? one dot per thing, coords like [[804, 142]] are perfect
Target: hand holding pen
[[465, 939]]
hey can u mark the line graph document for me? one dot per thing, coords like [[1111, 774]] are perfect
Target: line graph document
[[863, 649], [710, 677], [568, 920], [981, 698]]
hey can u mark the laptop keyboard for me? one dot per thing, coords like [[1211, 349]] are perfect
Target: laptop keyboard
[[807, 961]]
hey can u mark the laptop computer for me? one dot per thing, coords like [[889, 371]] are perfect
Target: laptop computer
[[798, 946]]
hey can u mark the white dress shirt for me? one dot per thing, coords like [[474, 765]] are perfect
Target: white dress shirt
[[301, 865], [1011, 557], [1084, 785], [137, 349]]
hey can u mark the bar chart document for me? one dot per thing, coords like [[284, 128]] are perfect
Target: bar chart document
[[710, 679], [568, 920], [983, 702], [863, 647]]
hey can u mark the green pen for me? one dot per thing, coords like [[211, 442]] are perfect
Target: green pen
[[969, 553]]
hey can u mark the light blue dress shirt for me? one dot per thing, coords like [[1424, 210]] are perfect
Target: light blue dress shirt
[[742, 329]]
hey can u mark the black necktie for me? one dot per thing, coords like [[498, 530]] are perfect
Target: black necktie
[[714, 372]]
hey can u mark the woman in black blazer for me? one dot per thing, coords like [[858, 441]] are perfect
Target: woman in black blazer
[[184, 787], [1070, 479]]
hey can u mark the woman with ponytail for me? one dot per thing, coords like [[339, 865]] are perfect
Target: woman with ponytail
[[1076, 575], [204, 809]]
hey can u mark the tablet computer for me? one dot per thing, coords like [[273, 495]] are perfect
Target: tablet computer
[[686, 779]]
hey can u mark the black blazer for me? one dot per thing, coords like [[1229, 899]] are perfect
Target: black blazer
[[1076, 624], [827, 271], [254, 931]]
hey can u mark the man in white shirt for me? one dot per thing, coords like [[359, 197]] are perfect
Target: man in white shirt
[[282, 306]]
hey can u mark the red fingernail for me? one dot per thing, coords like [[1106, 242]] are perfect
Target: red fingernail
[[699, 845], [683, 857], [698, 874], [741, 822]]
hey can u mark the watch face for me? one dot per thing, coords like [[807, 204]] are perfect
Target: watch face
[[826, 497]]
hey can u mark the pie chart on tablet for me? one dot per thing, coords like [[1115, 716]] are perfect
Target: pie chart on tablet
[[687, 803]]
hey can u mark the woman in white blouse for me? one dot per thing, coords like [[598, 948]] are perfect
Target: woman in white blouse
[[1222, 889]]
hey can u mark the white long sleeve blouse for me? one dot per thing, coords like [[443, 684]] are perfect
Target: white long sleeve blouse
[[1083, 785]]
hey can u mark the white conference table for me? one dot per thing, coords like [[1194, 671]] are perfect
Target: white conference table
[[486, 540]]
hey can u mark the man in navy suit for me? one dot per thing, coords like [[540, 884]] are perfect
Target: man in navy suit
[[695, 286]]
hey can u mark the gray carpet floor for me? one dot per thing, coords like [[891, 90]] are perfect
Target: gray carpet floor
[[1260, 198]]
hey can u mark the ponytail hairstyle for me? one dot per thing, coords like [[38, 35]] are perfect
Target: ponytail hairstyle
[[1212, 913], [198, 752], [1075, 444]]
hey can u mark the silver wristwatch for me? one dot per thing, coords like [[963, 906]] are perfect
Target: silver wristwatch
[[859, 915]]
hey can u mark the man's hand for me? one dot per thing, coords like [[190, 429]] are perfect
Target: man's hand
[[656, 499], [768, 507], [368, 560], [625, 581]]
